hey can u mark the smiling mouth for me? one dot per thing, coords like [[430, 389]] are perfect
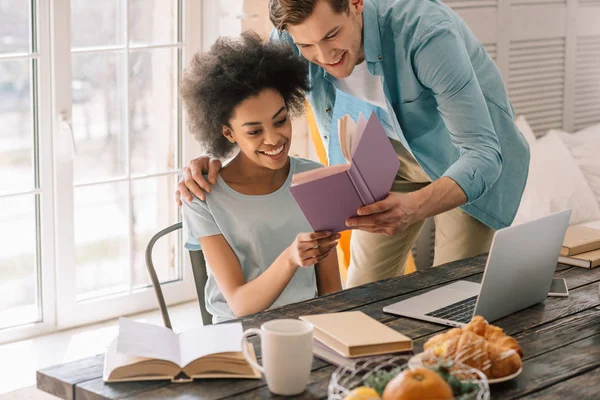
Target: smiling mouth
[[337, 62], [274, 152]]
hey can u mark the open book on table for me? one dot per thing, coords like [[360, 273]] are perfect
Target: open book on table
[[149, 352], [329, 196]]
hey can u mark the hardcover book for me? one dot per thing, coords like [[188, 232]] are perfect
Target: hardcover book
[[329, 196], [354, 334], [580, 239]]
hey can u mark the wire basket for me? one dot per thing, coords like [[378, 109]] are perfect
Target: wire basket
[[344, 379], [458, 370]]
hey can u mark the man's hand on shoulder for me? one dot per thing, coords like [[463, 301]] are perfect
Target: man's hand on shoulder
[[192, 181]]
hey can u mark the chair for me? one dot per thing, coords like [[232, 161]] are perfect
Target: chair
[[200, 277]]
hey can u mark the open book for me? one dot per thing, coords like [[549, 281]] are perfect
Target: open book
[[149, 352], [329, 196], [354, 334]]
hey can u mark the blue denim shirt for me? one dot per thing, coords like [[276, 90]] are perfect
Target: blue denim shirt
[[450, 103]]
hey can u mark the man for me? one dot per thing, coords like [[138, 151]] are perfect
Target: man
[[446, 112]]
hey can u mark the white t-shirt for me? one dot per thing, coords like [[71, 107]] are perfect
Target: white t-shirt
[[361, 84], [366, 87]]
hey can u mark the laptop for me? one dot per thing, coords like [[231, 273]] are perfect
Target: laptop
[[518, 274]]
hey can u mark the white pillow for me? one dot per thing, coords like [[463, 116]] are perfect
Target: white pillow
[[525, 129], [585, 149], [556, 183]]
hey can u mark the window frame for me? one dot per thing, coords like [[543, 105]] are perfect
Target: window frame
[[53, 166]]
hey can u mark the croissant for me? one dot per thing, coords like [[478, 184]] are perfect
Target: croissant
[[494, 334], [442, 337], [477, 352]]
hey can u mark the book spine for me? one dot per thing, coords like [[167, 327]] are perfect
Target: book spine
[[360, 185]]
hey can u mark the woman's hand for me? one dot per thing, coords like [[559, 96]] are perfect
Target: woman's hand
[[193, 180], [311, 248]]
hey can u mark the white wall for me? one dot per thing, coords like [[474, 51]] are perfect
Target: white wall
[[549, 54]]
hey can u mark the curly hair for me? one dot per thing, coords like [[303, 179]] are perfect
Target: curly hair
[[234, 69]]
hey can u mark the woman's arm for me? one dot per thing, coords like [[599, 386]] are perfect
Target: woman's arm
[[328, 275], [246, 298]]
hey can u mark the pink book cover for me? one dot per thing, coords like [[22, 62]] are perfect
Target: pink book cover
[[329, 196]]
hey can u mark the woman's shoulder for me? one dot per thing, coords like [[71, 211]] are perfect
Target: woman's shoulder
[[303, 164]]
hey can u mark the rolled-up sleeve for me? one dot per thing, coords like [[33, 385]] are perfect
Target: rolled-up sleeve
[[442, 64]]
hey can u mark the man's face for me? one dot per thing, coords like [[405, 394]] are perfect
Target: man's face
[[332, 41]]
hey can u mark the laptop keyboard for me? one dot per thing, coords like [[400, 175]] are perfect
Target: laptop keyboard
[[459, 312]]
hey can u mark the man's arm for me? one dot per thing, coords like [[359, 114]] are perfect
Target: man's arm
[[441, 196], [443, 65], [399, 210]]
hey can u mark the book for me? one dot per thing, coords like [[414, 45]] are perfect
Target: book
[[354, 334], [580, 239], [590, 259], [148, 352], [324, 353], [329, 196]]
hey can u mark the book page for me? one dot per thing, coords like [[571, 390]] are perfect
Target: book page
[[346, 129], [358, 132], [145, 340], [210, 339], [115, 360]]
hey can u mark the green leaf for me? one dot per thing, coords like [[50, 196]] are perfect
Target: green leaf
[[379, 379]]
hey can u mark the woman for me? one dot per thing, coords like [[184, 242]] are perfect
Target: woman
[[258, 246]]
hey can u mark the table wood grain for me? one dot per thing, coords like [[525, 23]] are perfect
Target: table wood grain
[[560, 338]]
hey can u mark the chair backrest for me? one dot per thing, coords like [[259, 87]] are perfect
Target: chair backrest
[[199, 271]]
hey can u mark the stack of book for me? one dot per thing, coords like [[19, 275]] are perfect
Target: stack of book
[[581, 247], [347, 338]]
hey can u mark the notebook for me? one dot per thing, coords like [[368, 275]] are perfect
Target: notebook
[[326, 354], [149, 352], [355, 334], [580, 239], [589, 259], [329, 196]]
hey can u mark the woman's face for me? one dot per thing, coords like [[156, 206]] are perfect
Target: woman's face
[[261, 127]]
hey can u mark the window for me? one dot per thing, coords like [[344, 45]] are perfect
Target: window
[[91, 144], [20, 193]]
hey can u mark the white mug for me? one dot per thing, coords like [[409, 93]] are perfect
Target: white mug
[[287, 353]]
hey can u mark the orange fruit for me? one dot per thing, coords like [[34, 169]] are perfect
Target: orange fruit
[[418, 384], [363, 393]]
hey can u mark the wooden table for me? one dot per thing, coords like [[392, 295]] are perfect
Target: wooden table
[[560, 338]]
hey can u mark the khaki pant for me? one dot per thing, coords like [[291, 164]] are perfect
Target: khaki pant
[[457, 234]]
